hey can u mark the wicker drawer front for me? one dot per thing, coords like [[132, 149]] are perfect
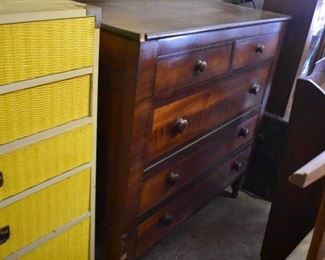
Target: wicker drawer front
[[42, 212], [35, 49], [36, 109], [31, 165], [71, 245]]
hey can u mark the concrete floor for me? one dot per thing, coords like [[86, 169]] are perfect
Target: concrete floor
[[225, 229]]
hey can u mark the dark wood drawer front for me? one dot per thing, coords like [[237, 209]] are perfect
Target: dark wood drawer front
[[251, 50], [166, 178], [198, 40], [152, 229], [190, 67], [180, 121]]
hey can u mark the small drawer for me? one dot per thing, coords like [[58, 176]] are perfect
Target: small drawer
[[178, 122], [162, 222], [166, 178], [73, 244], [36, 163], [251, 50], [38, 214], [33, 110], [190, 67], [35, 49]]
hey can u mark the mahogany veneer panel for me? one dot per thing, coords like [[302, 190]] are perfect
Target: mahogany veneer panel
[[185, 68], [251, 50], [218, 103]]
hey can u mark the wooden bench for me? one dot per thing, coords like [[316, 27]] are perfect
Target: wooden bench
[[308, 174], [294, 211]]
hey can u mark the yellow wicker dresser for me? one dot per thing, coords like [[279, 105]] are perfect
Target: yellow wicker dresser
[[48, 111]]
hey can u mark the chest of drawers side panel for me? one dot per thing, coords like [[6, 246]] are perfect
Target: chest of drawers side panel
[[125, 81]]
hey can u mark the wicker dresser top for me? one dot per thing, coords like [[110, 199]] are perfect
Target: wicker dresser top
[[13, 11]]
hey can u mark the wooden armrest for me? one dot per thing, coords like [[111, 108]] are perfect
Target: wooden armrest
[[318, 75], [310, 172]]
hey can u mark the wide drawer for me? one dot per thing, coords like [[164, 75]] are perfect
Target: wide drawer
[[180, 208], [43, 212], [180, 121], [33, 164], [166, 178], [190, 67], [250, 50], [73, 244], [35, 49], [30, 111]]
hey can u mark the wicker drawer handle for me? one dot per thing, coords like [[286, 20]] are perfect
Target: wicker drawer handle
[[4, 234], [167, 219], [1, 179]]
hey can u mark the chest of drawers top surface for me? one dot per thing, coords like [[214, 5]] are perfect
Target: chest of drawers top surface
[[147, 20]]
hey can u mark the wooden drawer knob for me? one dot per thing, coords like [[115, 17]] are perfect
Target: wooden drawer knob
[[172, 178], [237, 166], [1, 179], [260, 48], [201, 65], [180, 125], [243, 132], [254, 89], [4, 234], [167, 219]]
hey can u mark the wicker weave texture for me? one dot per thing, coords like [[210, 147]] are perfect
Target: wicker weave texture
[[32, 110], [33, 164], [71, 245], [35, 49], [43, 212]]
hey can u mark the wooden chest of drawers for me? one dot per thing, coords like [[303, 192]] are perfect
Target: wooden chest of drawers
[[183, 85], [48, 121]]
